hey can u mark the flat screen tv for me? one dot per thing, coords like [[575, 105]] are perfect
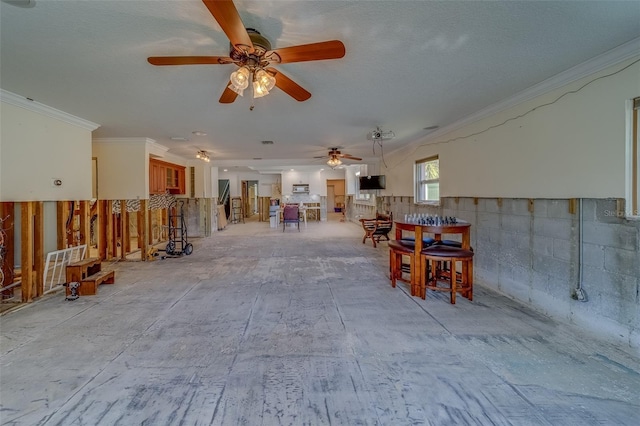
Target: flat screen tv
[[372, 182]]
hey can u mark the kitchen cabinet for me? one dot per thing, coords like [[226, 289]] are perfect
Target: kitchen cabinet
[[166, 177]]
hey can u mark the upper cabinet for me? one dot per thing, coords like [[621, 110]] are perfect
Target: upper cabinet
[[166, 177]]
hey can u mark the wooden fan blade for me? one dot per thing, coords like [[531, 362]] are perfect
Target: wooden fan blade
[[189, 60], [228, 96], [333, 49], [225, 12], [351, 157], [289, 86]]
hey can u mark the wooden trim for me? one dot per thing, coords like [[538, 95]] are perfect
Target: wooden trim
[[425, 160], [531, 205], [573, 205]]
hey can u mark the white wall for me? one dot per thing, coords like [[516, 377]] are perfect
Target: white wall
[[574, 148], [236, 178], [37, 148], [123, 168], [213, 182], [204, 179]]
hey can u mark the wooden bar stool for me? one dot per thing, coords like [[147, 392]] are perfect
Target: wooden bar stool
[[437, 256], [397, 249]]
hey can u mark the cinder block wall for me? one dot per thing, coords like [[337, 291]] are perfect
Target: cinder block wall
[[529, 251]]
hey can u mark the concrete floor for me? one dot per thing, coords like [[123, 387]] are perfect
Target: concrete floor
[[261, 327]]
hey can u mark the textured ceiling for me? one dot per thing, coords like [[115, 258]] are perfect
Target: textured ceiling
[[408, 65]]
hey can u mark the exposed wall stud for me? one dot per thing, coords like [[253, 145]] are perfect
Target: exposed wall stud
[[143, 220], [61, 220], [573, 205], [531, 201], [26, 251], [456, 199], [7, 211], [620, 207], [102, 229], [475, 201], [499, 202], [124, 225], [38, 247]]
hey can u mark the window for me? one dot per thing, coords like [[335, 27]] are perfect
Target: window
[[633, 159], [427, 178]]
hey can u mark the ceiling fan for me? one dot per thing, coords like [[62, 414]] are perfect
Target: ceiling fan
[[253, 54], [335, 157]]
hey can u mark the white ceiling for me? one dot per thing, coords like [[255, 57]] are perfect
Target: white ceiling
[[408, 65]]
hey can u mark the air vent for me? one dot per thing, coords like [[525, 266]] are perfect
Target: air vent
[[267, 142]]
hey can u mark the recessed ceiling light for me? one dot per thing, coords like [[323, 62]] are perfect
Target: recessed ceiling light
[[199, 133], [225, 170], [292, 170]]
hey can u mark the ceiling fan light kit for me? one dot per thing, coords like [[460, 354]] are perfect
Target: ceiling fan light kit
[[203, 156], [252, 53], [334, 161], [335, 157], [239, 80]]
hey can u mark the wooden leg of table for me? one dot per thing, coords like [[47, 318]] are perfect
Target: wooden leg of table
[[454, 282]]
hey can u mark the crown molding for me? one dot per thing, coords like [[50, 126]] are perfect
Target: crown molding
[[612, 57], [37, 107], [126, 140]]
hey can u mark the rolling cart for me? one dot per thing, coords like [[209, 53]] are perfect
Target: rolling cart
[[178, 243]]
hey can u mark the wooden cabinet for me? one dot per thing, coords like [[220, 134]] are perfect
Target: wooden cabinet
[[166, 177]]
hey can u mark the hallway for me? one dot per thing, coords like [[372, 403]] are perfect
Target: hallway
[[260, 326]]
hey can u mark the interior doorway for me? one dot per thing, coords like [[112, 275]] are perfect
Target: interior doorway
[[335, 195], [250, 197]]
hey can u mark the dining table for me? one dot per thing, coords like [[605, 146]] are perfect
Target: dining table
[[437, 228]]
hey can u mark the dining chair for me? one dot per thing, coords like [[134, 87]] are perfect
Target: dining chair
[[290, 214]]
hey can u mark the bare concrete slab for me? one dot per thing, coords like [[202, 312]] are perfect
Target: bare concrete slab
[[264, 327]]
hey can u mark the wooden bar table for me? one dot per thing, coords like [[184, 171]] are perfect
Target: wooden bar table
[[460, 227]]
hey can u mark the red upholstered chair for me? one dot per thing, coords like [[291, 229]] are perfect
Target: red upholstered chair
[[290, 215]]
